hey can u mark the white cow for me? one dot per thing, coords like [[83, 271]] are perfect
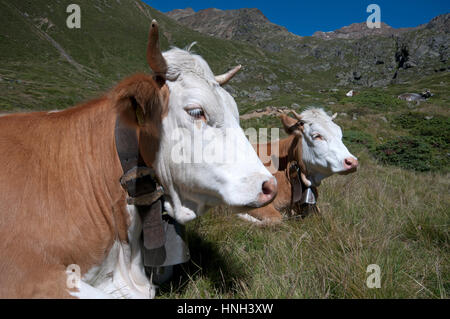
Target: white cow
[[202, 116], [324, 153], [201, 113], [315, 146]]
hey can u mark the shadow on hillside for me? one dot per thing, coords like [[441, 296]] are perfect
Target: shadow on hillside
[[222, 272]]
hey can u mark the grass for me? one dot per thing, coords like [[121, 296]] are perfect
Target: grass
[[381, 215], [358, 139], [387, 215], [415, 153], [374, 99]]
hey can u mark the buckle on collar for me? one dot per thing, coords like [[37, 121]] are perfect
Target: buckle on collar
[[141, 186], [146, 199], [135, 173]]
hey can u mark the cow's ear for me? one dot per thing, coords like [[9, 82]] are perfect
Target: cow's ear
[[291, 126], [137, 110], [140, 100]]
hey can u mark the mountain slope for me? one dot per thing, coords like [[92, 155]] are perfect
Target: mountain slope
[[249, 25], [355, 55], [45, 65], [39, 55], [360, 30]]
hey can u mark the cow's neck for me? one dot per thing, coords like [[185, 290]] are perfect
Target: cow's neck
[[288, 151], [100, 146], [291, 149], [86, 134]]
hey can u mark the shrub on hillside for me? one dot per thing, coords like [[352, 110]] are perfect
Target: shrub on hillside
[[436, 127], [410, 152], [355, 139]]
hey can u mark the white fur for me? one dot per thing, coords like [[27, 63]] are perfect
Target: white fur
[[251, 219], [122, 274], [326, 156], [86, 291], [194, 186]]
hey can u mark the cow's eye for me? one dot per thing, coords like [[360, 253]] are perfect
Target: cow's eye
[[317, 137], [196, 113]]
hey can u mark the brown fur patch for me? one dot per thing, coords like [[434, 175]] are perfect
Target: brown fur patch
[[61, 202], [290, 150]]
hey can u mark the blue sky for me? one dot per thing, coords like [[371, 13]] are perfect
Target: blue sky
[[305, 17]]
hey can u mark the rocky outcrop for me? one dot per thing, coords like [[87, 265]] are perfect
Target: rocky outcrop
[[178, 14], [361, 30], [357, 55], [440, 23], [248, 25]]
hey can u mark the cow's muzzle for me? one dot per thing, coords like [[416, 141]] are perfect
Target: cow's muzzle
[[350, 166]]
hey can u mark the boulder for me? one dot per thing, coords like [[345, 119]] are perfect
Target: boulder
[[274, 88], [411, 97]]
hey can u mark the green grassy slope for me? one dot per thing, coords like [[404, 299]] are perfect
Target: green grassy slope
[[110, 45], [34, 74], [380, 215]]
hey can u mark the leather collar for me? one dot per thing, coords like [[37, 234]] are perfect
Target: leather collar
[[141, 185], [301, 194], [138, 180]]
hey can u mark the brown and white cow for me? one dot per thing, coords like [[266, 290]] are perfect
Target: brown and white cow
[[60, 200], [315, 145], [62, 207]]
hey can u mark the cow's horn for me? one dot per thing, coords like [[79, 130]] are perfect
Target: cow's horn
[[154, 56], [297, 115], [224, 78]]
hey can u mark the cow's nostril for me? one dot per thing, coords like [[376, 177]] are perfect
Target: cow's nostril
[[351, 163], [266, 189], [268, 192], [269, 187]]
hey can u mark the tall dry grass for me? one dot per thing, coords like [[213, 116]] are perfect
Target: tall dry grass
[[381, 215]]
